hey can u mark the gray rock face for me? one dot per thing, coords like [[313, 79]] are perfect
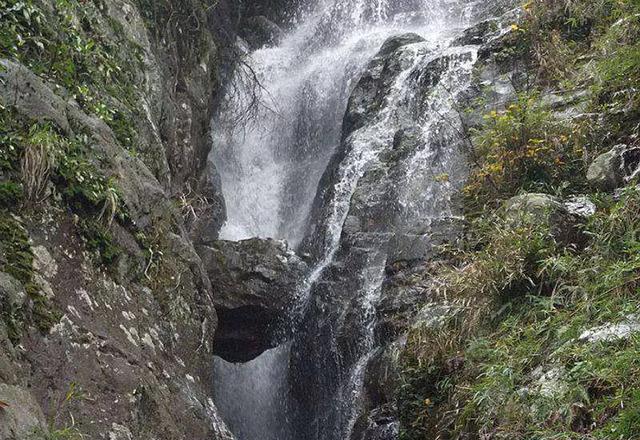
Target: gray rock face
[[374, 84], [153, 347], [256, 285], [23, 417], [12, 295], [138, 343], [614, 168], [562, 219], [479, 33], [404, 291], [259, 31], [399, 209]]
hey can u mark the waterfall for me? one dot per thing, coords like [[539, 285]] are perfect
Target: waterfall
[[278, 139], [290, 120], [257, 391]]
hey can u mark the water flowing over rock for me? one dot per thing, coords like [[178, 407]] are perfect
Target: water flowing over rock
[[350, 148], [407, 167]]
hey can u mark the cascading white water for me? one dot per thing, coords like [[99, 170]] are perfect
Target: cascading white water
[[255, 391], [272, 161]]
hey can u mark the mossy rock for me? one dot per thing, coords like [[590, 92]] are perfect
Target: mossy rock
[[545, 212], [17, 261]]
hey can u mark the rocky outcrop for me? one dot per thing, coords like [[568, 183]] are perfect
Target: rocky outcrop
[[614, 168], [23, 417], [258, 282], [107, 324], [151, 343], [564, 220], [400, 207], [374, 84]]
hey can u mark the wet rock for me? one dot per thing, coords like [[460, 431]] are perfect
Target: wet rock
[[259, 31], [403, 293], [256, 285], [374, 84], [382, 425], [394, 43], [383, 376], [614, 168], [398, 210], [478, 34], [378, 417]]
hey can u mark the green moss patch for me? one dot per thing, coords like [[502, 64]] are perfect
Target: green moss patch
[[18, 262]]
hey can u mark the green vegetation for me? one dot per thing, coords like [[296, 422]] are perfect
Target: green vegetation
[[55, 431], [513, 360], [523, 301], [68, 48], [45, 160], [17, 261], [10, 194], [523, 147]]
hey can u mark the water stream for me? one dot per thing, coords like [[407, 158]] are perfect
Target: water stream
[[273, 143]]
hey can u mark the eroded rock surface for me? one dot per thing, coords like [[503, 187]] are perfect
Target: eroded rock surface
[[128, 341], [257, 283], [614, 168]]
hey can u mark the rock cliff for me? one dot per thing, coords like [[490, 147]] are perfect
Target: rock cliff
[[108, 314]]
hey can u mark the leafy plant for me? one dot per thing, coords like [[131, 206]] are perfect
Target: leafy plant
[[522, 148], [38, 158]]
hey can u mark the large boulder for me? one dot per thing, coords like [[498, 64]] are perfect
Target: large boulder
[[614, 168], [563, 219], [256, 286]]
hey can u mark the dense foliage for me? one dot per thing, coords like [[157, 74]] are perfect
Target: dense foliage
[[517, 359], [43, 165]]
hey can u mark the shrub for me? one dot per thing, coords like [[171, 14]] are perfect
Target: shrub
[[522, 148], [10, 194], [38, 159], [533, 299]]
